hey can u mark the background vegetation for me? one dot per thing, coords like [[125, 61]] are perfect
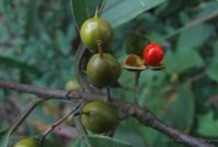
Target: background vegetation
[[38, 40]]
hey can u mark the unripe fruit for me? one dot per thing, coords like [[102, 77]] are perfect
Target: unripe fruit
[[99, 116], [72, 84], [103, 70], [34, 142], [153, 54], [27, 142], [93, 30], [69, 121]]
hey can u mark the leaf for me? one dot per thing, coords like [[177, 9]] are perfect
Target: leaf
[[83, 9], [31, 18], [180, 103], [118, 12], [101, 141], [18, 64], [104, 141], [207, 125], [212, 70], [182, 59], [4, 140], [195, 36], [128, 131]]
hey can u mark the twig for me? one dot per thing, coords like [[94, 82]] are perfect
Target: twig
[[146, 117], [136, 91], [54, 125], [44, 93], [142, 114], [81, 130], [192, 23], [108, 92], [77, 66], [24, 114]]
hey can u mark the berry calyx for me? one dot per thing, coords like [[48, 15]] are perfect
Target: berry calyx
[[153, 54]]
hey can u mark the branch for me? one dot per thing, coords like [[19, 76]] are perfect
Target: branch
[[57, 123], [142, 114], [30, 107], [193, 23]]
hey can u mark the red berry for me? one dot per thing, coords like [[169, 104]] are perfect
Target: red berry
[[153, 54]]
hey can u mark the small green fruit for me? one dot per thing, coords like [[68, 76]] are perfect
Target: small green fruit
[[99, 116], [33, 142], [72, 84], [93, 30], [69, 121], [27, 142], [103, 70]]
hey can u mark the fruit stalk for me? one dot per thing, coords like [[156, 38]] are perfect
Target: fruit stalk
[[136, 92], [100, 49]]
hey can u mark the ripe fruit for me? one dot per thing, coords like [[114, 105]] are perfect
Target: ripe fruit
[[153, 54], [93, 30], [99, 116], [103, 70]]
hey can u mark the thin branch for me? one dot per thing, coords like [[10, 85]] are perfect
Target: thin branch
[[54, 125], [81, 129], [42, 92], [193, 23], [32, 105], [136, 86], [142, 114], [45, 93], [146, 117]]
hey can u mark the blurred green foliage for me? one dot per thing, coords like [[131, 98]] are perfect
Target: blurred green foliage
[[39, 38]]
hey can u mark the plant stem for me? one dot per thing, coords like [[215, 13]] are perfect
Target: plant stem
[[97, 12], [143, 115], [191, 24], [57, 123], [80, 128], [24, 114], [77, 68], [108, 94], [137, 76], [100, 49]]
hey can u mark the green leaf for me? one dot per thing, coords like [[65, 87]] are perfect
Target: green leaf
[[180, 103], [31, 18], [128, 131], [101, 141], [83, 9], [18, 64], [4, 140], [182, 59], [212, 70], [118, 12], [207, 125], [195, 36], [104, 141]]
